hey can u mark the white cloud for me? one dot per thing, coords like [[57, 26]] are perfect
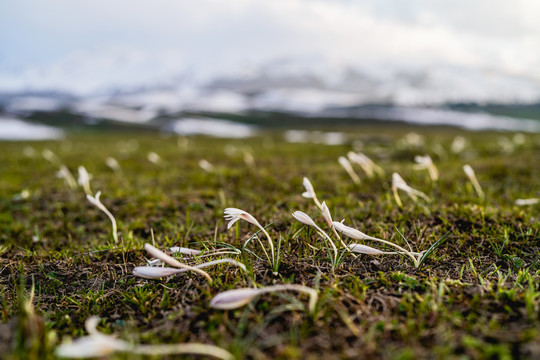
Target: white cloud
[[91, 45]]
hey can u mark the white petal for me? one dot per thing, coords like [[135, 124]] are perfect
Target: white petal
[[345, 163], [326, 214], [524, 202], [233, 211], [307, 184], [468, 170], [349, 231], [364, 249], [112, 163], [167, 259], [185, 251], [91, 346], [91, 325], [303, 218], [152, 272], [231, 223], [307, 195], [232, 299], [397, 180]]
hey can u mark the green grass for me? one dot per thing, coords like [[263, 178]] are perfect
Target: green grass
[[477, 295]]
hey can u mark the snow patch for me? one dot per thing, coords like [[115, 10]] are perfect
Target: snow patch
[[211, 127], [15, 129]]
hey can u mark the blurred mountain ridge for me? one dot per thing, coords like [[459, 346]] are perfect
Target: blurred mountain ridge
[[302, 87]]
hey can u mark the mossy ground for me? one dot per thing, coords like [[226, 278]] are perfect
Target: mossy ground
[[477, 296]]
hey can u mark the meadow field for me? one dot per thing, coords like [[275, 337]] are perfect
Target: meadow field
[[458, 275]]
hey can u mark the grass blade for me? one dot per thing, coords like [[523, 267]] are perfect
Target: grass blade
[[432, 248]]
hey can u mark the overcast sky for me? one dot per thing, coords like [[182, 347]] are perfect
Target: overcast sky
[[47, 42]]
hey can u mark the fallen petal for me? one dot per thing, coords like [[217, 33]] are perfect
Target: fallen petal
[[233, 299], [184, 251], [152, 272], [364, 249], [95, 345]]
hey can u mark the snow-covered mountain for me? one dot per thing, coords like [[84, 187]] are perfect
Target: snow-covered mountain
[[302, 87]]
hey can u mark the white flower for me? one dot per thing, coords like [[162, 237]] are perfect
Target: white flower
[[113, 164], [232, 215], [199, 254], [84, 179], [100, 345], [350, 232], [348, 168], [326, 214], [425, 162], [472, 177], [182, 143], [153, 272], [84, 176], [399, 183], [364, 249], [233, 299], [94, 345], [507, 145], [413, 139], [94, 200], [50, 157], [523, 202], [65, 174], [365, 163], [23, 195], [153, 157], [249, 160], [468, 171], [206, 166], [169, 260], [458, 144], [310, 192], [358, 235], [184, 251], [304, 218], [328, 218], [29, 151]]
